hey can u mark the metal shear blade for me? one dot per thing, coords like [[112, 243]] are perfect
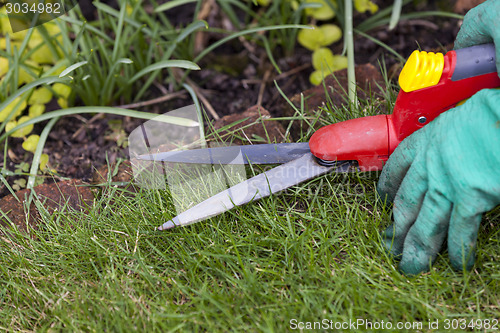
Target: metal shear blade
[[254, 154], [260, 186]]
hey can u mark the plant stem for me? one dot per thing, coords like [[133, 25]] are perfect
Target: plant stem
[[349, 43]]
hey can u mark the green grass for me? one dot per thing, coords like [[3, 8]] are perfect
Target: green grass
[[310, 253]]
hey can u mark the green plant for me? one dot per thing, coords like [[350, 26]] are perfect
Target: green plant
[[23, 57], [114, 69], [324, 62], [28, 59]]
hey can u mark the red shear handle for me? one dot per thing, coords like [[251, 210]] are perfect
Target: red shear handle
[[433, 84]]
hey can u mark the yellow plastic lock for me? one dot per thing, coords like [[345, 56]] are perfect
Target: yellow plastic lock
[[422, 70]]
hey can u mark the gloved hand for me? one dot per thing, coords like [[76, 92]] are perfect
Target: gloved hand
[[481, 26], [442, 178]]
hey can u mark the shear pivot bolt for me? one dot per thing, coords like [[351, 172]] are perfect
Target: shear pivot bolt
[[422, 119]]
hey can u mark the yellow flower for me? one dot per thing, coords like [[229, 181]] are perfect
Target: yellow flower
[[365, 5], [31, 142], [129, 10], [9, 108]]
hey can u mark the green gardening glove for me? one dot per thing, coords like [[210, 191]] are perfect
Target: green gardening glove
[[441, 179], [481, 26]]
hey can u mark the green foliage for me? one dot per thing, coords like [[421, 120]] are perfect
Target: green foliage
[[107, 70], [97, 69]]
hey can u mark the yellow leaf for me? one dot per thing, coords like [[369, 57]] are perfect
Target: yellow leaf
[[31, 142], [63, 102], [62, 90], [325, 63], [310, 38], [22, 132], [44, 160], [43, 55], [331, 34], [35, 110], [323, 13], [264, 3], [40, 96], [52, 29], [5, 27], [13, 44], [35, 40], [322, 58], [317, 77], [4, 66], [8, 109], [10, 125], [24, 77], [365, 5], [324, 35]]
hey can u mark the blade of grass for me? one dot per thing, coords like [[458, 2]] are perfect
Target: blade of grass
[[102, 109], [72, 68], [75, 22], [113, 12], [172, 4], [246, 32], [198, 112], [38, 152], [349, 43], [378, 42], [118, 32], [396, 13], [170, 51], [164, 64]]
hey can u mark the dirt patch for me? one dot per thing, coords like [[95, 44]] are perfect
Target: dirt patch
[[72, 194]]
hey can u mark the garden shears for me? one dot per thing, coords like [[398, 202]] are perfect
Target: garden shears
[[431, 83]]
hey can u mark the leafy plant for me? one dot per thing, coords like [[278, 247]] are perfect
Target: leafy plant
[[23, 57], [114, 69], [91, 67], [321, 36]]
